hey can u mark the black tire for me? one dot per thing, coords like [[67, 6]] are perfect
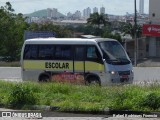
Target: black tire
[[44, 78], [93, 80]]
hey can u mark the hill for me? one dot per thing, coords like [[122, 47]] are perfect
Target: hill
[[42, 13]]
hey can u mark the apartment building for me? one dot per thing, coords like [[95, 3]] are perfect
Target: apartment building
[[152, 29]]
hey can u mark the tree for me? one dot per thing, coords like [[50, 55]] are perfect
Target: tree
[[11, 33], [128, 28], [98, 21], [116, 36], [84, 29], [8, 7], [116, 25]]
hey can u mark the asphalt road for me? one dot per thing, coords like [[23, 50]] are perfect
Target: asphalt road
[[148, 74], [141, 74], [10, 72]]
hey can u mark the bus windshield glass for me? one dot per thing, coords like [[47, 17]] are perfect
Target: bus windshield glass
[[113, 53]]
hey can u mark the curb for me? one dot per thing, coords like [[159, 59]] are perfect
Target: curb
[[45, 107], [106, 111]]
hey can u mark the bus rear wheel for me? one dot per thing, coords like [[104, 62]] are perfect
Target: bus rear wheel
[[44, 78]]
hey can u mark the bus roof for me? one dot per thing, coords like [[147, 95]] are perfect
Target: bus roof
[[66, 40]]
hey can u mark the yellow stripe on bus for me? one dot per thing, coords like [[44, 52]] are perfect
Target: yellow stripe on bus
[[79, 66], [93, 66], [48, 65], [62, 65]]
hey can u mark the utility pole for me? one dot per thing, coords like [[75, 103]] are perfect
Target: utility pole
[[135, 35]]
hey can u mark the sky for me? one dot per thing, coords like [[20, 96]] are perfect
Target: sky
[[116, 7]]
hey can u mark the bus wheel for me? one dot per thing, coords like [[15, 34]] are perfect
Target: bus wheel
[[44, 78], [93, 81]]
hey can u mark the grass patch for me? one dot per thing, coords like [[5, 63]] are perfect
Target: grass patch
[[21, 95], [80, 98]]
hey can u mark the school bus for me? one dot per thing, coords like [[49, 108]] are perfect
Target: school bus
[[100, 61]]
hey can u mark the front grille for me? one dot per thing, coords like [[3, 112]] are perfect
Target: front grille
[[124, 72]]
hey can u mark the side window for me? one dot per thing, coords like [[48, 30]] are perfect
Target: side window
[[63, 52], [26, 54], [30, 52], [46, 52], [79, 53], [93, 53]]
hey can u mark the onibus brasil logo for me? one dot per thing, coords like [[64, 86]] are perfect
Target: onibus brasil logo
[[34, 115]]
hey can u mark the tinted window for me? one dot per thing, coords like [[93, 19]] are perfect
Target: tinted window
[[79, 53], [93, 54], [46, 52], [30, 52], [63, 52]]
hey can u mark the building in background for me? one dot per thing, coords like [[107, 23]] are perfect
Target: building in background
[[77, 15], [52, 13], [69, 15], [154, 14], [49, 12], [141, 6], [86, 12], [95, 10], [102, 10], [152, 30]]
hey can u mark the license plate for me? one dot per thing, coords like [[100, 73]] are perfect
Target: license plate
[[124, 76]]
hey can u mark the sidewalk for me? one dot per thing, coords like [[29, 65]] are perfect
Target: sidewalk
[[149, 62], [5, 109]]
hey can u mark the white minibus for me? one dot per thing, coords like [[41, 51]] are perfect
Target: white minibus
[[100, 61]]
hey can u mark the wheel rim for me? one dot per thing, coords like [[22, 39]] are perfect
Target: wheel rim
[[44, 79], [93, 81]]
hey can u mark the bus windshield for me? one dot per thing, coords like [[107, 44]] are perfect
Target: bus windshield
[[113, 53]]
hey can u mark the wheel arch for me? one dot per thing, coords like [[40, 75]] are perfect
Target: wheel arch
[[90, 75], [44, 74]]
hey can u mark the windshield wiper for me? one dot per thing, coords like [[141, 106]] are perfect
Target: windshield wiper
[[123, 59], [113, 60]]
